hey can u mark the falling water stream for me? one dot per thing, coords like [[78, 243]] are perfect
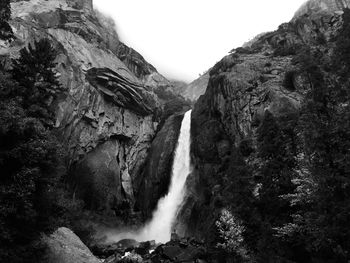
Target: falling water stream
[[160, 226]]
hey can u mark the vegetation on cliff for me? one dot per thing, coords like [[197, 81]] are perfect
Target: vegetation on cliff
[[32, 195], [287, 183], [6, 32]]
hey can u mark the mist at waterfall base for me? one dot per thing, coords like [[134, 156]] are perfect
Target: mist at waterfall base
[[159, 228]]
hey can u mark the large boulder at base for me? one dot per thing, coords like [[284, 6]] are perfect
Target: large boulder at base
[[65, 247]]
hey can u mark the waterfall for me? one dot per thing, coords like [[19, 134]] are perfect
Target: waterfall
[[160, 226]]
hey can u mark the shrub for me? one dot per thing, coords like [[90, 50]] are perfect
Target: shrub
[[230, 231], [6, 32]]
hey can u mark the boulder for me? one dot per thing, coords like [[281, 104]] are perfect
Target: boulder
[[66, 247], [127, 244], [131, 258], [171, 252]]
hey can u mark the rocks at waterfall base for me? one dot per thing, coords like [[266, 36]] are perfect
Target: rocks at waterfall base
[[63, 246], [177, 250]]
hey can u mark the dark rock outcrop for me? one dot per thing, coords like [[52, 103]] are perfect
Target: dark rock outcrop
[[122, 92], [134, 61], [156, 175], [185, 250]]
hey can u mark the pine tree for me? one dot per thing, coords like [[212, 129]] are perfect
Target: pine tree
[[6, 32], [276, 163], [30, 156], [34, 70], [323, 192], [275, 172], [231, 230]]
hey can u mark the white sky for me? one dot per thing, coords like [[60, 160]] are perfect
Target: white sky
[[183, 38]]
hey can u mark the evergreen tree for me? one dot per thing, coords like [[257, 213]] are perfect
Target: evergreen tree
[[31, 161], [34, 70], [323, 192], [325, 124], [276, 165], [275, 172], [231, 231], [6, 32]]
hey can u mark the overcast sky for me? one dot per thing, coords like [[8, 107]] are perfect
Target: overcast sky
[[183, 38]]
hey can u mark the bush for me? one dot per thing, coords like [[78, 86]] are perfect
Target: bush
[[6, 32], [230, 231]]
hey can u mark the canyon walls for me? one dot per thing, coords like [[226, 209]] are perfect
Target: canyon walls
[[109, 113]]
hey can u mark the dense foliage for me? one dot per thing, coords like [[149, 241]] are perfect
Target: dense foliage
[[32, 198], [300, 211], [6, 32], [34, 73], [230, 230]]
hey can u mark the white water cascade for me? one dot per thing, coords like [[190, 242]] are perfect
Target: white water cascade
[[160, 226]]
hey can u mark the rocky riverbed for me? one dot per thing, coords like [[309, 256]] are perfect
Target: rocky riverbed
[[65, 247]]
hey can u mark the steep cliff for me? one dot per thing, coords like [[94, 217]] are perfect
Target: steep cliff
[[196, 88], [242, 87], [110, 112], [156, 179]]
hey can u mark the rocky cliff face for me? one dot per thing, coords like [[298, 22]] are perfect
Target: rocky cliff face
[[314, 6], [196, 88], [242, 87], [108, 116], [156, 175]]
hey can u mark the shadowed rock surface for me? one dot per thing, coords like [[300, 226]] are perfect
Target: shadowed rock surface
[[122, 92], [156, 176], [65, 247]]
